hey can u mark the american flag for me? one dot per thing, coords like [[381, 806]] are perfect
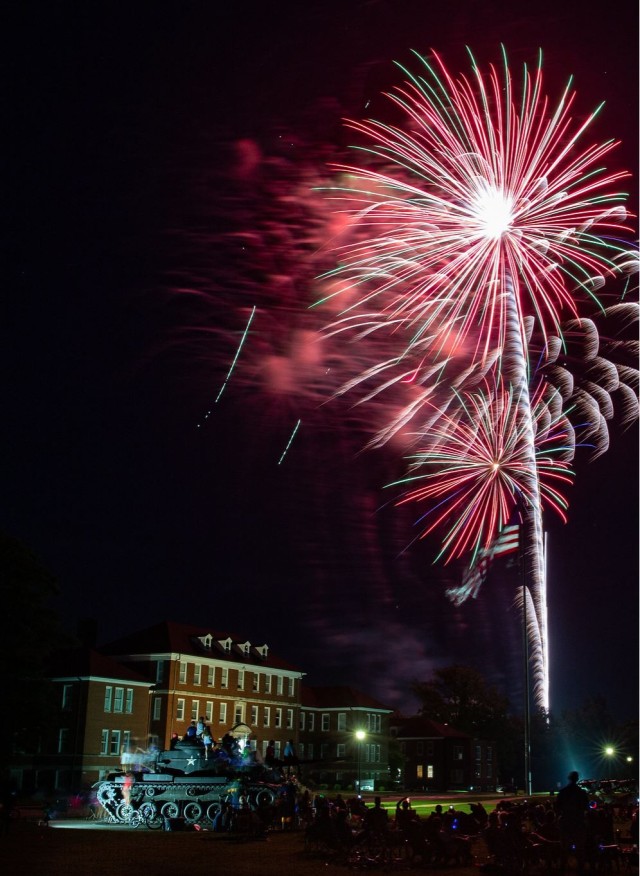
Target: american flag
[[507, 541]]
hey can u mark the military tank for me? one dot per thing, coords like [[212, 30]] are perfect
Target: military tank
[[185, 783]]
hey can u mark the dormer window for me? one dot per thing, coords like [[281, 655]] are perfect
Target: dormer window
[[263, 651], [245, 647], [206, 641], [226, 644]]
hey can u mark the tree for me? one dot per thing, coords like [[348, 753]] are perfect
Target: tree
[[30, 631]]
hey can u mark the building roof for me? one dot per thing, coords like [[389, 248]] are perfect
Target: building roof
[[169, 637], [419, 727], [87, 663], [339, 696]]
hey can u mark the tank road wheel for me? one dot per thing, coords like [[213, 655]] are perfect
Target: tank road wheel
[[150, 816], [170, 810], [265, 797], [212, 810], [192, 812], [124, 812]]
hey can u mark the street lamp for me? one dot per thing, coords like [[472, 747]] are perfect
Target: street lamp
[[611, 753], [360, 735]]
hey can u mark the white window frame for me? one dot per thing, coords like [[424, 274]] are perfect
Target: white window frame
[[157, 708], [278, 721], [325, 722], [108, 698], [63, 740], [223, 713], [208, 711], [301, 723], [254, 716], [292, 686], [241, 674], [182, 673], [255, 684], [342, 721], [267, 682], [128, 701], [312, 721], [67, 691], [266, 716], [195, 710], [118, 700], [280, 685], [211, 676], [114, 742], [289, 719], [224, 679], [238, 713], [180, 709], [197, 673], [104, 742], [341, 749]]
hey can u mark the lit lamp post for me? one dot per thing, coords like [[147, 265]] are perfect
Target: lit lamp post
[[611, 753], [360, 735]]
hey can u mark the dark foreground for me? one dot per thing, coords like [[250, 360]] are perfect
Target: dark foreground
[[111, 851]]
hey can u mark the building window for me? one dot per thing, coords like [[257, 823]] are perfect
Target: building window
[[223, 713], [266, 718], [489, 753], [63, 740], [457, 752], [292, 687], [159, 671], [126, 739], [341, 749], [312, 720], [430, 772], [419, 771], [324, 750], [280, 684], [240, 679], [255, 684], [157, 708], [180, 710], [197, 673], [301, 749], [108, 695], [211, 676], [289, 719], [342, 721], [430, 749], [118, 699], [278, 717], [478, 752], [115, 742], [238, 717], [254, 716], [267, 683], [67, 697], [195, 710], [104, 742], [128, 703], [301, 720], [374, 723], [224, 680], [208, 711], [182, 673], [325, 721], [278, 748]]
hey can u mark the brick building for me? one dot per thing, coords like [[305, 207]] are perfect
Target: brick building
[[438, 757], [343, 736]]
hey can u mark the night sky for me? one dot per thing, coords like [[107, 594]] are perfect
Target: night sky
[[125, 124]]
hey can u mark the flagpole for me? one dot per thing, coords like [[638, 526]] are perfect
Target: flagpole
[[525, 649]]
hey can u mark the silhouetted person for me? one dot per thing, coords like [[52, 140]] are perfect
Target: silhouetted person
[[572, 806]]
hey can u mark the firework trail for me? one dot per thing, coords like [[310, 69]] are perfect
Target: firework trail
[[480, 220]]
